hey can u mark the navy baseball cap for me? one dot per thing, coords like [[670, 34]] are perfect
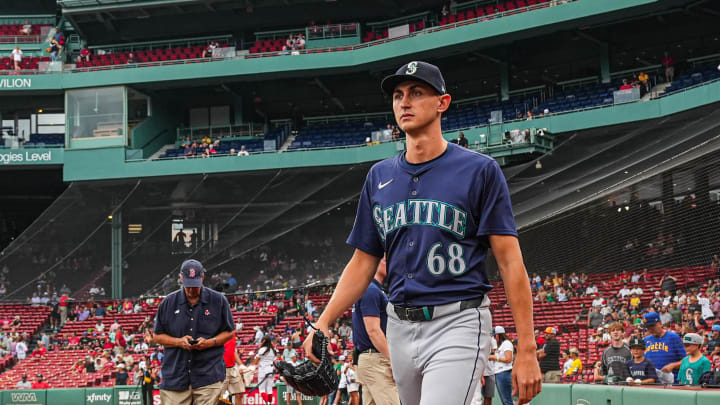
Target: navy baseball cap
[[192, 271], [636, 342], [418, 71], [651, 318]]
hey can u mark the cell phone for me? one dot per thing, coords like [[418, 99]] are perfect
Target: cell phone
[[193, 341]]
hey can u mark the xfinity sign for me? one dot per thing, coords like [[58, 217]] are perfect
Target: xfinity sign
[[93, 398]]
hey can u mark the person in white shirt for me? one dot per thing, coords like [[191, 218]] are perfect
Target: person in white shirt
[[351, 379], [243, 151], [23, 384], [26, 28], [637, 290], [704, 302], [16, 56], [624, 292], [503, 365], [591, 290], [265, 369], [21, 349], [259, 334], [485, 391], [598, 301], [567, 361]]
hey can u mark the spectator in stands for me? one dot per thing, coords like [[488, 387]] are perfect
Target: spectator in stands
[[462, 141], [444, 12], [40, 383], [26, 29], [549, 357], [713, 345], [84, 55], [131, 58], [503, 366], [576, 366], [121, 375], [644, 81], [695, 364], [16, 56], [289, 44], [669, 64], [24, 384], [615, 357], [625, 85], [595, 318], [663, 347], [209, 49], [641, 370], [300, 42], [20, 348]]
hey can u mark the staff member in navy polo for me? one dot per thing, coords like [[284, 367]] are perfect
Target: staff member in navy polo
[[193, 324], [369, 322]]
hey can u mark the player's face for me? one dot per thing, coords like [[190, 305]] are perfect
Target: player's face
[[416, 106]]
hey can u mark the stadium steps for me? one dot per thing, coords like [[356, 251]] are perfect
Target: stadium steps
[[287, 143], [160, 153], [655, 91]]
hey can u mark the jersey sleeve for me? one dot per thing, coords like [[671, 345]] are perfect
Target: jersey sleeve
[[364, 235], [495, 207], [370, 304]]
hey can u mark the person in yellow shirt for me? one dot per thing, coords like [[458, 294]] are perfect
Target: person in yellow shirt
[[576, 366], [634, 301]]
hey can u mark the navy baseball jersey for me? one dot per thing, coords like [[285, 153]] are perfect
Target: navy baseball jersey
[[433, 221]]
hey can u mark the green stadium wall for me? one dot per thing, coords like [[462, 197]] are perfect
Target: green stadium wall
[[552, 394], [437, 44], [110, 163]]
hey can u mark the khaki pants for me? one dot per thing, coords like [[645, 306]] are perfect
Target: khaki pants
[[233, 383], [375, 375], [553, 376], [207, 395]]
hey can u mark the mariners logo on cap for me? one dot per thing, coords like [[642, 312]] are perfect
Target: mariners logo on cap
[[411, 68]]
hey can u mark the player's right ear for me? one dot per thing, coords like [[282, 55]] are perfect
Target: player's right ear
[[444, 103]]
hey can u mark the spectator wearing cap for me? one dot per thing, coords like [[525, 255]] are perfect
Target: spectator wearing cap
[[616, 356], [24, 384], [549, 356], [40, 383], [713, 346], [695, 364], [576, 366], [503, 359], [121, 375], [641, 370], [193, 324], [663, 347]]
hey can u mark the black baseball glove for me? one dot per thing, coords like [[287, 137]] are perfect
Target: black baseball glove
[[308, 378]]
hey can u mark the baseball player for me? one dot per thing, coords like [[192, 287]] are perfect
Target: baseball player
[[435, 209]]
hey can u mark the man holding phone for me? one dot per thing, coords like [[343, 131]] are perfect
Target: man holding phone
[[193, 324]]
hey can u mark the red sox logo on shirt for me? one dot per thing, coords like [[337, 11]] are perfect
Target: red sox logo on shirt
[[192, 273], [207, 312]]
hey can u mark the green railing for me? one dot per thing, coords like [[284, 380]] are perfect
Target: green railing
[[175, 43], [221, 131]]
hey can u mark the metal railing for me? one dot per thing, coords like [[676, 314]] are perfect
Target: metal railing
[[221, 131], [316, 32]]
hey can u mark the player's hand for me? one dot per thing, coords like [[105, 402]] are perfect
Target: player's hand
[[482, 380], [203, 344], [307, 344], [667, 369], [526, 377], [184, 342]]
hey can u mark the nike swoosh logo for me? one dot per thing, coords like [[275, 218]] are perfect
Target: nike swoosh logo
[[382, 185]]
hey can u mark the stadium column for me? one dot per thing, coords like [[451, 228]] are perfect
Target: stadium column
[[504, 81], [604, 63], [116, 254]]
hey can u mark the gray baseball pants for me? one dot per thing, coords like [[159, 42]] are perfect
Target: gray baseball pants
[[440, 361]]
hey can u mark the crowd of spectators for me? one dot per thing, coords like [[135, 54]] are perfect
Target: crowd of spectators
[[206, 147]]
